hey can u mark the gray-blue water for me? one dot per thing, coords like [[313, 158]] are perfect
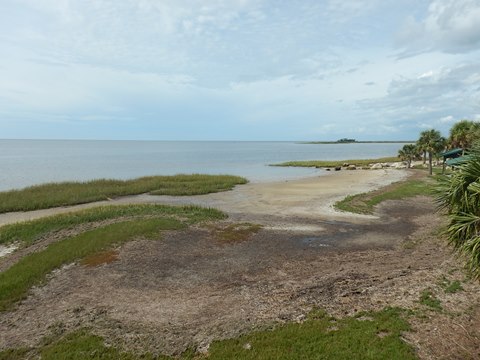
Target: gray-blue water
[[29, 162]]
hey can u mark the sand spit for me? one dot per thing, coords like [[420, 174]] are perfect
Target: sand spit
[[266, 203]]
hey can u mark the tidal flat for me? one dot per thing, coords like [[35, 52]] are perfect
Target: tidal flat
[[297, 266]]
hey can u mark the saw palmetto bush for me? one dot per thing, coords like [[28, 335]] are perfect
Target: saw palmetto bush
[[459, 194]]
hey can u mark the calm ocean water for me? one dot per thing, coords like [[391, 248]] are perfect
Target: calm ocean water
[[29, 162]]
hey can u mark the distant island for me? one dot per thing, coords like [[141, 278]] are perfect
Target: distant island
[[351, 141]]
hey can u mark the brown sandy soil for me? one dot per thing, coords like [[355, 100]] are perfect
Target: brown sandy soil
[[189, 287]]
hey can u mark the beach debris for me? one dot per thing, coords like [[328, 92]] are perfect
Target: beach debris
[[203, 347], [376, 166], [351, 167], [338, 168]]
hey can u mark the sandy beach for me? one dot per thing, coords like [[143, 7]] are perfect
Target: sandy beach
[[280, 203]]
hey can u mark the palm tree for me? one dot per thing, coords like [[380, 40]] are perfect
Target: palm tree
[[421, 147], [463, 134], [431, 142], [460, 196], [408, 153]]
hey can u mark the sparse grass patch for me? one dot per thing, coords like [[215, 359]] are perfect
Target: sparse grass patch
[[72, 193], [377, 335], [82, 345], [451, 287], [235, 233], [365, 203], [320, 334], [334, 163], [15, 354], [428, 298], [32, 269], [28, 232]]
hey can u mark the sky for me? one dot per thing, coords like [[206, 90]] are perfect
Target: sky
[[298, 70]]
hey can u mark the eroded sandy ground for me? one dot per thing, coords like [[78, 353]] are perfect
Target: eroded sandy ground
[[190, 288]]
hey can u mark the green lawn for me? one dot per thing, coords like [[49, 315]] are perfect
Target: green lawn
[[71, 193]]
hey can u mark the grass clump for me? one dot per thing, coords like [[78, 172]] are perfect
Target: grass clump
[[32, 269], [365, 203], [72, 193], [428, 298], [28, 232], [335, 163], [373, 335], [451, 287]]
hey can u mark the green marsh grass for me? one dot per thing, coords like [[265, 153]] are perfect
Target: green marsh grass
[[33, 269], [334, 163], [373, 335], [72, 193], [26, 233]]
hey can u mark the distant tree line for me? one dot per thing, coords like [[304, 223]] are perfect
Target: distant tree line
[[346, 140], [431, 143]]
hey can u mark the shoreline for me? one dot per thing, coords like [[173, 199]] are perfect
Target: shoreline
[[308, 198]]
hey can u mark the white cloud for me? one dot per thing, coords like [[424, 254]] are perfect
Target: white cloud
[[452, 26], [434, 98], [447, 119], [345, 10], [306, 63]]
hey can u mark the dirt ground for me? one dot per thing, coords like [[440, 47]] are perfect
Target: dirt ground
[[190, 288]]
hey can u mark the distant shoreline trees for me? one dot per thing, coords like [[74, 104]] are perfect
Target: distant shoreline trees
[[432, 143], [346, 140], [463, 134], [408, 153]]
